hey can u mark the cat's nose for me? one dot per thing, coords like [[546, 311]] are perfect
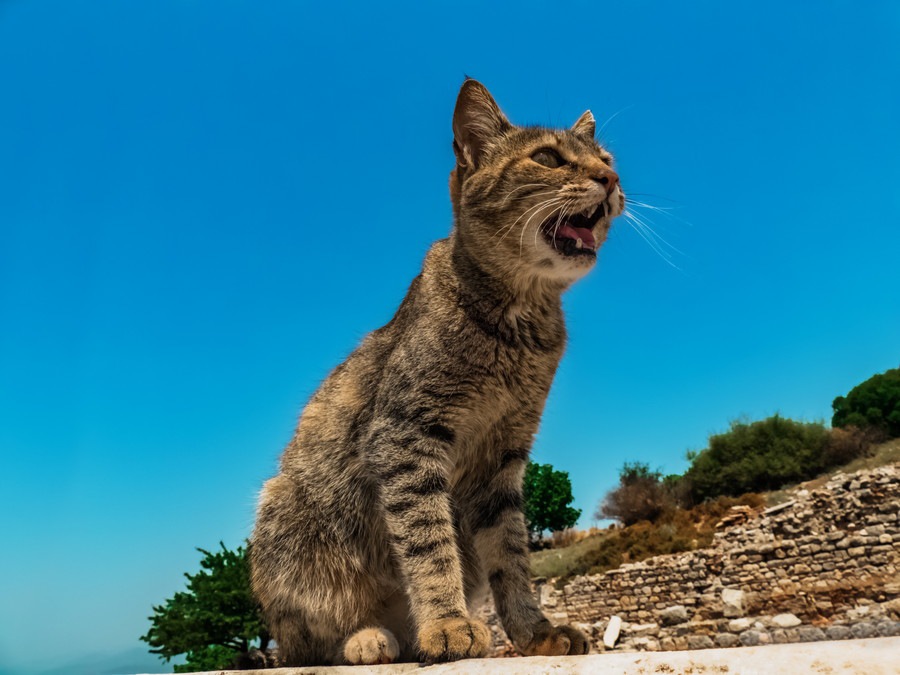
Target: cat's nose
[[608, 179]]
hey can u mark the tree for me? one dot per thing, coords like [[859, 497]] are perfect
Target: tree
[[757, 457], [547, 494], [642, 494], [874, 403], [215, 621]]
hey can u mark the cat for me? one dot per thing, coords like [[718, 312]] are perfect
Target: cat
[[399, 498]]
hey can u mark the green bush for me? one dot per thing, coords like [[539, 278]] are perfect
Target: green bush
[[758, 457], [874, 403]]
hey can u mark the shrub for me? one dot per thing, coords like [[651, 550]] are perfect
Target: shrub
[[848, 443], [642, 494], [757, 457], [873, 403]]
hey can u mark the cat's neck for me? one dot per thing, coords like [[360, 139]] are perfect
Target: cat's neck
[[502, 285], [511, 305]]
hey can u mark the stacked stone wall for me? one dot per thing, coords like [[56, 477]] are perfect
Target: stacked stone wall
[[822, 566]]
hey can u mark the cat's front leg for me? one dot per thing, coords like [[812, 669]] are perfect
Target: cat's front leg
[[411, 465], [502, 541]]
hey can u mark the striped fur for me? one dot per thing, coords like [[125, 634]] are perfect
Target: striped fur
[[399, 499]]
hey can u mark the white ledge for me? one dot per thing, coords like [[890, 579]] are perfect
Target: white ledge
[[879, 656]]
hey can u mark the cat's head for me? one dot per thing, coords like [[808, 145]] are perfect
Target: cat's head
[[531, 203]]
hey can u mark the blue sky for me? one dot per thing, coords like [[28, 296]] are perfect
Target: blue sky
[[205, 205]]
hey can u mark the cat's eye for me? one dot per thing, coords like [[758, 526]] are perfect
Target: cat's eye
[[548, 157]]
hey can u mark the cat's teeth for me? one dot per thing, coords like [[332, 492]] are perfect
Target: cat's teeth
[[579, 243]]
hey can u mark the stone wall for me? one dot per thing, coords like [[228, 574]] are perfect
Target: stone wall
[[822, 566]]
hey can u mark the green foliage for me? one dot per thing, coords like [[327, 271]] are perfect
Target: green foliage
[[215, 620], [547, 494], [757, 457], [874, 403], [642, 494]]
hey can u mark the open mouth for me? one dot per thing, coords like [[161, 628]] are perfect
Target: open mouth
[[573, 235]]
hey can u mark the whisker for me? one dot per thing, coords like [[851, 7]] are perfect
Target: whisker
[[611, 118], [522, 187], [528, 222], [538, 206], [654, 232], [649, 236]]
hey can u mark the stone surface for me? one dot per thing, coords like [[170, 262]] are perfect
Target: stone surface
[[855, 657], [727, 640], [672, 616], [810, 634], [738, 625], [611, 635], [749, 638], [733, 602], [838, 633], [700, 642], [786, 620]]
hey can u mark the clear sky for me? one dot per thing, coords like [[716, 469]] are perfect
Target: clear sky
[[205, 204]]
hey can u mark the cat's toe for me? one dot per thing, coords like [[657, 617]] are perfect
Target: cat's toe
[[550, 640], [371, 646], [452, 639]]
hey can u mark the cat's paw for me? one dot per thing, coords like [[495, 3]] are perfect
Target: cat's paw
[[452, 639], [550, 640], [371, 646]]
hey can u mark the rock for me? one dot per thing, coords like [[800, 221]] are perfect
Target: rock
[[700, 642], [733, 600], [864, 629], [738, 625], [858, 612], [786, 620], [892, 608], [674, 615], [888, 628], [749, 638], [811, 634], [612, 632], [644, 629], [838, 633], [728, 640]]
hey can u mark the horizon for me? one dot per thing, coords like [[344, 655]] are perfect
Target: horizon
[[206, 206]]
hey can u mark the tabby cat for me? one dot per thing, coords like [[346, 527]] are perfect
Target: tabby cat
[[399, 499]]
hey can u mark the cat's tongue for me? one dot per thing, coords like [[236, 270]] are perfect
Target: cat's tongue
[[568, 232]]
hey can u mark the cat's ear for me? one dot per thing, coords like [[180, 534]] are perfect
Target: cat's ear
[[585, 126], [477, 121]]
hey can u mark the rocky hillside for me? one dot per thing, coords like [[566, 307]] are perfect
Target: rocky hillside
[[823, 565]]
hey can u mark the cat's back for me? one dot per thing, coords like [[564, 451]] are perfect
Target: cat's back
[[337, 417]]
